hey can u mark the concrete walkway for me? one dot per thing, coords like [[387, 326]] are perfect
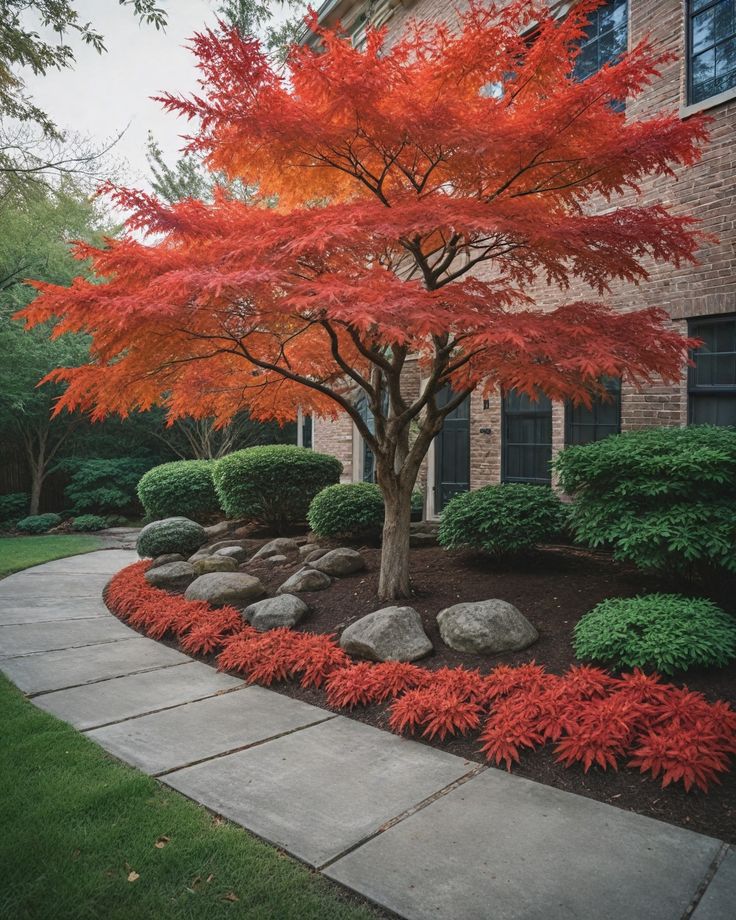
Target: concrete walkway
[[423, 833]]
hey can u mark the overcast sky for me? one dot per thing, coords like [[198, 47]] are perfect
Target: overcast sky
[[104, 93]]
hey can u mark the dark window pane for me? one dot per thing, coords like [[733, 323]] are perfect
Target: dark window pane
[[584, 425], [712, 31], [713, 410], [703, 30], [527, 438], [712, 380]]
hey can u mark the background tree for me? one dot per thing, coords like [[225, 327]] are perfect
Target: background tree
[[416, 213]]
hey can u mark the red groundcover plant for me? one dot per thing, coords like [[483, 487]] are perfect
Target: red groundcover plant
[[402, 210], [592, 717]]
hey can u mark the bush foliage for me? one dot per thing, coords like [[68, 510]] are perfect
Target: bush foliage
[[172, 535], [103, 484], [38, 523], [347, 509], [502, 520], [88, 522], [184, 487], [13, 506], [662, 498], [667, 632], [273, 485]]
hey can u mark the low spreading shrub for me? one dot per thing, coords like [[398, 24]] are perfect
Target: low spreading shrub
[[38, 523], [662, 498], [273, 485], [103, 485], [502, 520], [184, 487], [172, 535], [347, 509], [667, 632], [88, 522], [592, 717], [13, 506]]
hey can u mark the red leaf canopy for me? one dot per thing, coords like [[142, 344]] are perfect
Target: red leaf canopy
[[402, 208]]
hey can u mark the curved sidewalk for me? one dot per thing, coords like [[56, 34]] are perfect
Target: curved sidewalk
[[423, 833]]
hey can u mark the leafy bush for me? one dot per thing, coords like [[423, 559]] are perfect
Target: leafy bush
[[88, 522], [502, 520], [104, 485], [274, 484], [183, 487], [13, 506], [662, 498], [347, 509], [172, 535], [38, 523], [667, 632]]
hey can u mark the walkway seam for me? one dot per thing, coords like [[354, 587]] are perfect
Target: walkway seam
[[63, 648], [101, 680], [707, 879]]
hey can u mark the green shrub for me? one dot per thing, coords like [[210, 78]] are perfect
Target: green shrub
[[350, 509], [13, 506], [38, 523], [502, 520], [662, 498], [103, 485], [184, 487], [273, 485], [88, 522], [667, 632], [173, 535]]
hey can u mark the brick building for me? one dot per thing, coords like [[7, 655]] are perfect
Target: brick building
[[508, 438]]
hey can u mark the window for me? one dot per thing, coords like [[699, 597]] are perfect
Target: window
[[606, 39], [711, 47], [304, 429], [583, 425], [527, 438], [712, 381]]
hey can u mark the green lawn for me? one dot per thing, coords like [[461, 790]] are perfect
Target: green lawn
[[18, 553], [84, 837]]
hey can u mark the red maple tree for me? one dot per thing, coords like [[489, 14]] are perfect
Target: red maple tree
[[414, 200]]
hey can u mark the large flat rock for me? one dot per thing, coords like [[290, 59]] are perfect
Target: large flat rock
[[44, 637], [719, 899], [503, 847], [320, 791], [125, 697], [192, 732], [45, 671]]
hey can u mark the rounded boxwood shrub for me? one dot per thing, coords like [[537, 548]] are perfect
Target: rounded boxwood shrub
[[662, 498], [13, 506], [273, 485], [502, 520], [667, 632], [349, 509], [88, 522], [184, 487], [38, 523], [172, 535]]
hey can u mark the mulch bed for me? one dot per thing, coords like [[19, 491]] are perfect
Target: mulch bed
[[553, 589]]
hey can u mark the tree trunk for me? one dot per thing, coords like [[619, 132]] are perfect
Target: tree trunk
[[36, 484], [394, 583]]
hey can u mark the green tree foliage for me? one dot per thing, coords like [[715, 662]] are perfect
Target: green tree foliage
[[102, 484]]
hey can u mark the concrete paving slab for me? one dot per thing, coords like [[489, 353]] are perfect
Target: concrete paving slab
[[719, 900], [506, 848], [88, 706], [44, 637], [57, 586], [192, 732], [319, 791], [103, 562], [46, 671], [81, 608]]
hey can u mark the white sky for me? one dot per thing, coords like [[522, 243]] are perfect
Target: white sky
[[105, 92]]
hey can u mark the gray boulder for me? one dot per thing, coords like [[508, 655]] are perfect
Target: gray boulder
[[171, 576], [342, 561], [391, 634], [232, 552], [305, 580], [167, 557], [221, 588], [276, 560], [217, 530], [222, 544], [271, 612], [315, 553], [170, 535], [214, 564], [281, 546], [485, 627]]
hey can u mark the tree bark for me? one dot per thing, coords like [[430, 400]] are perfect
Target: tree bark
[[36, 485], [394, 582]]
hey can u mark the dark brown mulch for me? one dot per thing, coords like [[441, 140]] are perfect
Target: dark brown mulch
[[553, 589]]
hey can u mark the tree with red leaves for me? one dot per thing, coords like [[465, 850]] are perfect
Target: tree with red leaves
[[403, 210]]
